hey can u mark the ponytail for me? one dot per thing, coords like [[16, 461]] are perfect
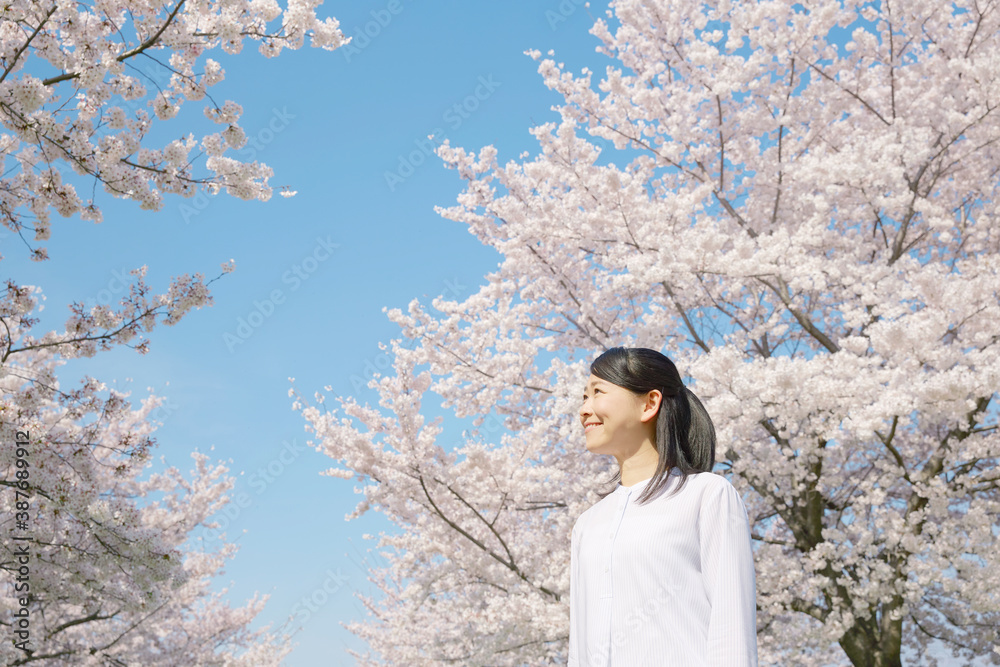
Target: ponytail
[[685, 435], [701, 434]]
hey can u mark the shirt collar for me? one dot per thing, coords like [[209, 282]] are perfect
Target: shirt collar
[[637, 488]]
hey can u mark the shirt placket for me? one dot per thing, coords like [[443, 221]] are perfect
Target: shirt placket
[[608, 579], [616, 523]]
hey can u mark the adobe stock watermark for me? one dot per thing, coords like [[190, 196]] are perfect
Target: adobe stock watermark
[[256, 143], [259, 481], [118, 284], [368, 563], [453, 116], [563, 11], [311, 603], [382, 361], [665, 596], [163, 411], [364, 34], [264, 309]]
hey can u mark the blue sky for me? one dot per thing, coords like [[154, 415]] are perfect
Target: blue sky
[[353, 240], [313, 272]]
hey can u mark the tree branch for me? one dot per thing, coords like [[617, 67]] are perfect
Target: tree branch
[[128, 54]]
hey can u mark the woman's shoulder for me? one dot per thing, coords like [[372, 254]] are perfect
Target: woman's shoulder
[[709, 480], [707, 484], [715, 495]]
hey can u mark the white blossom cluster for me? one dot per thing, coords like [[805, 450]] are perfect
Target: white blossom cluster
[[115, 578], [92, 115], [798, 202]]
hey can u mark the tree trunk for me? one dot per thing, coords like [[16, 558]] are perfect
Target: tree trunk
[[868, 645]]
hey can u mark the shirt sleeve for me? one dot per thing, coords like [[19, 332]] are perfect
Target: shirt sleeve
[[574, 598], [727, 567]]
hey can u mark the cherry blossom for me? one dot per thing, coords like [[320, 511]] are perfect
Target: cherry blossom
[[82, 86], [116, 574], [797, 202], [119, 572]]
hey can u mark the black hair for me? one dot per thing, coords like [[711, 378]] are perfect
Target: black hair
[[685, 434]]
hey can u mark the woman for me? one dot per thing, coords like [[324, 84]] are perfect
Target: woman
[[661, 567]]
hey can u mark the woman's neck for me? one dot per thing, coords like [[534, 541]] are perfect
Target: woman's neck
[[640, 465]]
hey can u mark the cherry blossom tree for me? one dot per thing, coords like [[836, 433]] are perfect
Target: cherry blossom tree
[[103, 565], [797, 201], [112, 576], [77, 82]]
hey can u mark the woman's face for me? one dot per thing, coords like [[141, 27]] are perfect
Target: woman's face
[[621, 419]]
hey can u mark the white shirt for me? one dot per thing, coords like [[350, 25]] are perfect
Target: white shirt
[[666, 584]]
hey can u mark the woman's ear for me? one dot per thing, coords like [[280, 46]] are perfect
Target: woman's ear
[[651, 404]]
